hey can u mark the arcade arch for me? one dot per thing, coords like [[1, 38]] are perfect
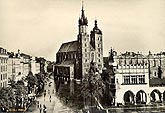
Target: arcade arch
[[155, 96], [141, 97], [129, 98], [164, 96]]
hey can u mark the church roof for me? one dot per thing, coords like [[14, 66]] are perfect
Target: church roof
[[69, 46]]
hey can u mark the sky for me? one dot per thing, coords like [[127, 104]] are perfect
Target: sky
[[39, 27]]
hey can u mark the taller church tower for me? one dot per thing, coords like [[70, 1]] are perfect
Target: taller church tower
[[83, 46]]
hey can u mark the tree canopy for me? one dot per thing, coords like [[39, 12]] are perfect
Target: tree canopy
[[92, 85]]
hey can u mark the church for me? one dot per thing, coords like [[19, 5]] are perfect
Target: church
[[73, 58]]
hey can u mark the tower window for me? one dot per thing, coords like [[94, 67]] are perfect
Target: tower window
[[98, 38], [85, 45], [85, 50], [99, 50], [99, 60], [98, 55]]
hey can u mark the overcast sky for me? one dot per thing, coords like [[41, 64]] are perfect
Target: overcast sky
[[39, 27]]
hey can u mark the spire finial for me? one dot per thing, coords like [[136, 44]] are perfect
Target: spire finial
[[82, 15], [82, 5], [95, 22]]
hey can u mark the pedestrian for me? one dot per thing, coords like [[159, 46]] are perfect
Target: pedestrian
[[38, 104], [44, 109], [40, 108], [48, 91], [50, 98], [44, 94], [53, 91]]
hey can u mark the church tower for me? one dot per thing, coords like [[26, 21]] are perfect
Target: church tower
[[97, 43], [83, 46]]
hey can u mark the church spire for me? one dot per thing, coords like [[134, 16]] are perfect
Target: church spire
[[83, 20]]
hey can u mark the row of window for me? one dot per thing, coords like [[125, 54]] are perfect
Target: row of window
[[87, 45], [3, 76], [3, 60], [66, 56], [99, 50], [133, 64], [134, 79], [86, 55], [3, 68], [3, 50], [86, 65], [63, 70], [3, 84]]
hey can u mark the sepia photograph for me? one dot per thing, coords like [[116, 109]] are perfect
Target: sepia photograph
[[82, 56]]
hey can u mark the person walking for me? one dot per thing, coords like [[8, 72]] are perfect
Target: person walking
[[48, 91], [50, 98], [38, 105], [44, 109], [40, 108]]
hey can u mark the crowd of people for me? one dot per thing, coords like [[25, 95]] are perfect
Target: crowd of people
[[43, 108]]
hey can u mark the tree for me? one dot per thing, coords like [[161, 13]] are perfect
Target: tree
[[92, 85], [6, 97], [32, 81], [40, 82]]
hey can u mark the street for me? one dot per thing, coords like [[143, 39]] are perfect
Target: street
[[52, 103]]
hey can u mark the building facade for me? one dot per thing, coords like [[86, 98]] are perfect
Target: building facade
[[3, 68], [139, 79], [73, 58]]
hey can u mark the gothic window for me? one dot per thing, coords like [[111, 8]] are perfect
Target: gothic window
[[85, 45], [134, 79], [85, 50], [99, 60], [98, 38], [98, 55], [155, 73], [98, 49], [92, 56], [86, 60], [87, 70]]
